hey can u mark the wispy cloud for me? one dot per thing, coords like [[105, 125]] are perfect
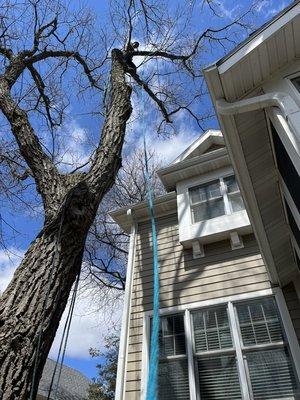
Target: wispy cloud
[[75, 149], [269, 8]]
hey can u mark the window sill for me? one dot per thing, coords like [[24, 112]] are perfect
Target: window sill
[[214, 229]]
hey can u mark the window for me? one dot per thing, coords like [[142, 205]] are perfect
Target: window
[[258, 355], [173, 365], [216, 198], [296, 82]]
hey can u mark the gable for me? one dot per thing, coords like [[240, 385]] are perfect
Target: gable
[[209, 141], [213, 147]]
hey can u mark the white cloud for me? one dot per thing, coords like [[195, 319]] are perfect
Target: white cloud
[[9, 261], [76, 150], [92, 318], [169, 149], [89, 324]]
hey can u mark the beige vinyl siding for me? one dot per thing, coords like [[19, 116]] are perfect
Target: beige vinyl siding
[[183, 280], [257, 149], [293, 305]]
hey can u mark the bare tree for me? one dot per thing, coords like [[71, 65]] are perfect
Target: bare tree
[[106, 247], [47, 52]]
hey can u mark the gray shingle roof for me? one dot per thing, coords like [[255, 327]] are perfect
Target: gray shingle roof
[[73, 384]]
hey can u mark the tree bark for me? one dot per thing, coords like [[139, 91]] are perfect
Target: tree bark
[[59, 245]]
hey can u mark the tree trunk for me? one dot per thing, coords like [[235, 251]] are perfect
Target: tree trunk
[[58, 247]]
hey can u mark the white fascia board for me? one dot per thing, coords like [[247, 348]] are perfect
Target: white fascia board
[[259, 39]]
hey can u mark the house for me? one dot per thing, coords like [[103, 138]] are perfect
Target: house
[[73, 385], [256, 93], [228, 331]]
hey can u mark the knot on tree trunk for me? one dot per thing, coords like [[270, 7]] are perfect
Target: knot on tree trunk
[[79, 206]]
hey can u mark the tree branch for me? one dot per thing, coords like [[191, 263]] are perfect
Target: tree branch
[[67, 54], [147, 89], [42, 168]]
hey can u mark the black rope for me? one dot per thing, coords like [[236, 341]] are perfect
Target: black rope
[[63, 342], [45, 303]]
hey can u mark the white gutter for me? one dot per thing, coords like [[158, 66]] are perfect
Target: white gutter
[[123, 347], [285, 102]]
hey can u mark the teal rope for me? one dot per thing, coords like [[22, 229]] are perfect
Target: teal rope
[[152, 385]]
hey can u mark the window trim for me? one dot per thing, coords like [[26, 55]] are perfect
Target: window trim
[[284, 315], [207, 231], [223, 195]]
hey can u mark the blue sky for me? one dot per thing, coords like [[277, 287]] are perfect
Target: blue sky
[[90, 325]]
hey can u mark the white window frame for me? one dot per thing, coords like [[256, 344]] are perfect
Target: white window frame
[[284, 315], [207, 230], [223, 194]]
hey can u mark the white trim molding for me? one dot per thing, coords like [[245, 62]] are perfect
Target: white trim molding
[[123, 348]]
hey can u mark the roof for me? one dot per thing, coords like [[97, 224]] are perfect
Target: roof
[[73, 384], [163, 205], [205, 154], [201, 145]]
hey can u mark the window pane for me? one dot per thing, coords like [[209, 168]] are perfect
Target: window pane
[[296, 82], [259, 322], [231, 184], [271, 374], [172, 337], [211, 209], [205, 192], [211, 329], [236, 202], [173, 380], [218, 378]]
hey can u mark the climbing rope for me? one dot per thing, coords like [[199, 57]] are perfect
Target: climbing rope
[[152, 383]]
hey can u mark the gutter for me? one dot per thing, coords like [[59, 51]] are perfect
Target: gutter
[[287, 105], [123, 348]]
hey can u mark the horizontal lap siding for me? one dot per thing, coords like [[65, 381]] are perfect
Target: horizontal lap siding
[[257, 149], [183, 280]]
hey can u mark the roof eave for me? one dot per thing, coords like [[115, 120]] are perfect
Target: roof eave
[[139, 211]]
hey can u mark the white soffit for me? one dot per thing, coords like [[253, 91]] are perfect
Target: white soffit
[[261, 37]]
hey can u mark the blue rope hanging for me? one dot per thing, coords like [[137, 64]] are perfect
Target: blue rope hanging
[[152, 385]]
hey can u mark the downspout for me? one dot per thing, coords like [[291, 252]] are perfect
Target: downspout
[[123, 347], [287, 105]]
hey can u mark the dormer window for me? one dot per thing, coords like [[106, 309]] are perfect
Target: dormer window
[[214, 199]]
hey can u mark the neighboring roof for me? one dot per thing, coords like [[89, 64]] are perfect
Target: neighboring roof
[[73, 384]]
